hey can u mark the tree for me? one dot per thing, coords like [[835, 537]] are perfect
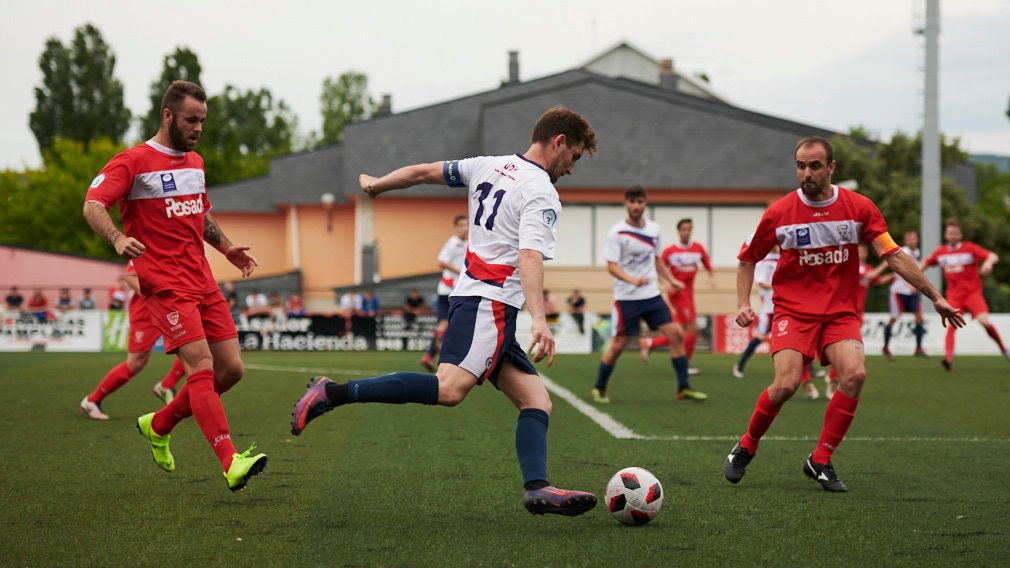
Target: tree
[[244, 129], [79, 97], [344, 100], [180, 64]]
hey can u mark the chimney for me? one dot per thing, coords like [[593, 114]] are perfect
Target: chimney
[[668, 79], [386, 106], [513, 68]]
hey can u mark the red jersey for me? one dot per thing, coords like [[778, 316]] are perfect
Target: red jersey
[[162, 198], [817, 276], [960, 266], [683, 261], [864, 286]]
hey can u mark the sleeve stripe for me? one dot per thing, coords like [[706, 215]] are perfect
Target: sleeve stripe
[[885, 245]]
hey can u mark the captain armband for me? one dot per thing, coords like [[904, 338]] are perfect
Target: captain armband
[[884, 245]]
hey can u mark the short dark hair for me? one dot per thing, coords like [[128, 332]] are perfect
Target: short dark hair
[[560, 120], [952, 222], [684, 221], [634, 192], [816, 140], [458, 218], [178, 91]]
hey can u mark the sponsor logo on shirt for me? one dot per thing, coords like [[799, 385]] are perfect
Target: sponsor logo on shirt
[[97, 181], [168, 182], [549, 217], [836, 256], [843, 233], [803, 236], [175, 208]]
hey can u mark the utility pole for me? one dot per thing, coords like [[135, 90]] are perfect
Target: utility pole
[[931, 221]]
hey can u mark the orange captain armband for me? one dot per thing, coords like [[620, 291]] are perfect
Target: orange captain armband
[[885, 245]]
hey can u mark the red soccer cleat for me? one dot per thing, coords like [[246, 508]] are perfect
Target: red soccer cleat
[[312, 404]]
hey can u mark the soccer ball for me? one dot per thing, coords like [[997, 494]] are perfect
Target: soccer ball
[[634, 496]]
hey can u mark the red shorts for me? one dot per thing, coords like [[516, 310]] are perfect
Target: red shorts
[[811, 337], [971, 303], [185, 317], [682, 307], [143, 333]]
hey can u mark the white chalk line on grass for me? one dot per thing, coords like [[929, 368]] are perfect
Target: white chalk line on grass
[[622, 432]]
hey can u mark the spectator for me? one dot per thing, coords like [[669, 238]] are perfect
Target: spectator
[[14, 300], [413, 305], [64, 303], [86, 302], [577, 308], [295, 306], [276, 306], [550, 308], [118, 296], [350, 307], [228, 290], [38, 305], [256, 303], [369, 310]]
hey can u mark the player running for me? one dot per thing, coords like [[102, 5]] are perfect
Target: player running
[[160, 190], [816, 284], [514, 210], [763, 272], [682, 258], [632, 260], [141, 337], [903, 299], [959, 260], [450, 260]]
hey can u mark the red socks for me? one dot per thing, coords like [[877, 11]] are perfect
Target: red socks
[[657, 341], [837, 418], [764, 414], [177, 372], [198, 398], [948, 344], [117, 377], [991, 330], [689, 340]]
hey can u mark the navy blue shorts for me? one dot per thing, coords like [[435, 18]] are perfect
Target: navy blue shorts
[[626, 313], [442, 307], [481, 338], [904, 304]]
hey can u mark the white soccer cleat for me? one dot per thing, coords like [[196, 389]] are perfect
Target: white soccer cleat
[[165, 394], [737, 372], [93, 411], [693, 371], [810, 390], [830, 387]]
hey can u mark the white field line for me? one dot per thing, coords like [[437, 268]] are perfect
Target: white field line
[[622, 432]]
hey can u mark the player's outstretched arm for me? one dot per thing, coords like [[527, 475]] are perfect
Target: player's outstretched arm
[[744, 281], [616, 271], [239, 256], [101, 223], [531, 274], [987, 264], [906, 267], [663, 271], [407, 176]]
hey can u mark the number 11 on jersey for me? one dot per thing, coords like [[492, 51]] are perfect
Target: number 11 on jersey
[[484, 190]]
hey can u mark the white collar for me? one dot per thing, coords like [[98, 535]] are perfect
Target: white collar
[[825, 203], [163, 149]]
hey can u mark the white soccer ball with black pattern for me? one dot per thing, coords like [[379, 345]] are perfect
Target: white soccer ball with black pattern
[[634, 496]]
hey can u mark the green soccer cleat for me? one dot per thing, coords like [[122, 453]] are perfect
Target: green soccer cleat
[[688, 394], [599, 396], [243, 466], [159, 444]]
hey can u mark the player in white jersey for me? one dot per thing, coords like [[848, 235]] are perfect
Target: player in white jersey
[[514, 211], [904, 299], [450, 260], [763, 272], [632, 255]]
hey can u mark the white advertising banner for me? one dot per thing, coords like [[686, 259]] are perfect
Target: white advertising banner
[[567, 338], [68, 331], [969, 340]]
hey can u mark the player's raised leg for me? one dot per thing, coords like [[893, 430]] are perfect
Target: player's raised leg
[[115, 378], [607, 363], [527, 392], [847, 359], [165, 388], [678, 359]]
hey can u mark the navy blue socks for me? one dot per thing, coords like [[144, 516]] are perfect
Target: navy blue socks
[[680, 366], [531, 447], [919, 331], [394, 388], [748, 352], [887, 335], [603, 375]]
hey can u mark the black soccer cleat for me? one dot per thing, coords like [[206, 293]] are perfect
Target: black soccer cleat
[[947, 364], [824, 473], [554, 501], [736, 463]]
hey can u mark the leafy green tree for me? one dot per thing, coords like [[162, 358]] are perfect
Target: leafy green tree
[[79, 97], [344, 100], [42, 208], [182, 64], [244, 129]]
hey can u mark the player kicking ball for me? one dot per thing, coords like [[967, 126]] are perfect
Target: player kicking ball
[[817, 228], [514, 209]]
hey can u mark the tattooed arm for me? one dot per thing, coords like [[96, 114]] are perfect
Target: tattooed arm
[[101, 223], [239, 256]]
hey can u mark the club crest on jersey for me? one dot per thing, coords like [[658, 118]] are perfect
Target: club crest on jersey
[[843, 233], [549, 217], [803, 236], [168, 182], [782, 327], [173, 318], [97, 181], [488, 363]]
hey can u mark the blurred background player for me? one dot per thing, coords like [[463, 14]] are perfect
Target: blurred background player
[[763, 272], [817, 228], [633, 260], [868, 276], [142, 335], [903, 299], [160, 189], [960, 262], [515, 209], [450, 260], [682, 258]]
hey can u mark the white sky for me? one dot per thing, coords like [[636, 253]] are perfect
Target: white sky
[[828, 63]]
